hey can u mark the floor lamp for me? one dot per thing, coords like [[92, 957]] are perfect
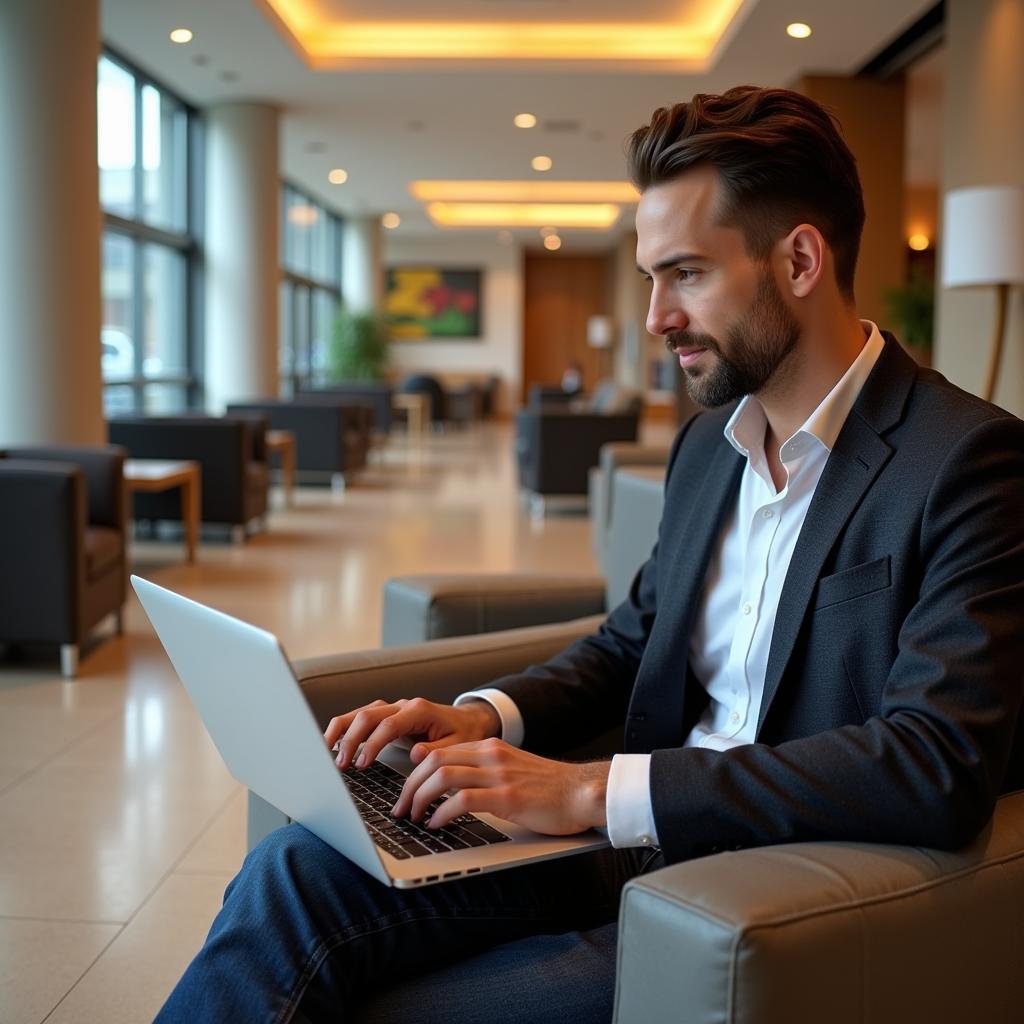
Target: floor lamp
[[601, 335], [983, 244]]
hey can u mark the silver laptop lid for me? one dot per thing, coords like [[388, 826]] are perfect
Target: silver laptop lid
[[246, 693]]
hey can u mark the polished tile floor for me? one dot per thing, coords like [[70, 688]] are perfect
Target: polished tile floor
[[119, 825]]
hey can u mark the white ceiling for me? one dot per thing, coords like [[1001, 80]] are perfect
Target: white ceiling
[[388, 127]]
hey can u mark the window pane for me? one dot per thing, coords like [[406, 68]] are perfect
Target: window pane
[[118, 346], [164, 350], [163, 160], [118, 399], [116, 138], [164, 398], [324, 308], [284, 332], [300, 339]]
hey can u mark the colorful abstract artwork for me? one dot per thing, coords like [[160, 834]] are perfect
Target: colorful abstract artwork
[[430, 302]]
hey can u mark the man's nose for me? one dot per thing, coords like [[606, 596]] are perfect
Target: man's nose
[[665, 315]]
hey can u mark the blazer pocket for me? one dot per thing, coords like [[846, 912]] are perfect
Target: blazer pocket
[[867, 578]]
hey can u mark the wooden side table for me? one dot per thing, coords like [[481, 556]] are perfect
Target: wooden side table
[[163, 475], [283, 442], [417, 410]]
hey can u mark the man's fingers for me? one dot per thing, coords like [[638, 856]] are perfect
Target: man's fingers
[[338, 725], [363, 722], [465, 754], [466, 801], [449, 777]]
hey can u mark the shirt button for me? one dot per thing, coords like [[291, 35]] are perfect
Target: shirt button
[[768, 513], [645, 840], [734, 717], [745, 609]]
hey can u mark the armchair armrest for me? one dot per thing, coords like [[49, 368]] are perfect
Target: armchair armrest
[[439, 670], [429, 607], [838, 932]]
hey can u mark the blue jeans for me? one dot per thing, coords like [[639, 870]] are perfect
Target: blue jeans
[[305, 935]]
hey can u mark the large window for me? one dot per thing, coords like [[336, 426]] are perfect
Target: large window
[[149, 341], [310, 288]]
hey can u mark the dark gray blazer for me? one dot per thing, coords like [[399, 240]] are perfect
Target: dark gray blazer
[[895, 673]]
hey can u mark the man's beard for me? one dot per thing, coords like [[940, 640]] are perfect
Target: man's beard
[[758, 344]]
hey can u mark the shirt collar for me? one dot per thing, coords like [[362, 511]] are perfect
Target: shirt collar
[[746, 427]]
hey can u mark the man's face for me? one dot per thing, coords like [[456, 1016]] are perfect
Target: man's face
[[719, 310]]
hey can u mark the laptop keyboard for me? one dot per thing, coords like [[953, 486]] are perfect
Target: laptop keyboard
[[375, 790]]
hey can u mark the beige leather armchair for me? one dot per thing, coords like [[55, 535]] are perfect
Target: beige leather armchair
[[815, 933]]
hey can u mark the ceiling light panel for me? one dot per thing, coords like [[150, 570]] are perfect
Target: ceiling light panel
[[507, 215], [525, 191], [329, 34]]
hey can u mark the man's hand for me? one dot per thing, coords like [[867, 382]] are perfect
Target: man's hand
[[433, 725], [551, 797]]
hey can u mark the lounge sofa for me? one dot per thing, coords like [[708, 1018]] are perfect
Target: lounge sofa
[[332, 436]]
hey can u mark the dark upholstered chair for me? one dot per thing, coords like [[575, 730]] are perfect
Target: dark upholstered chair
[[63, 537], [376, 394], [332, 436], [557, 449], [424, 384], [231, 453]]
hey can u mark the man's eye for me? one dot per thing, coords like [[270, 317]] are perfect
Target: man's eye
[[686, 275]]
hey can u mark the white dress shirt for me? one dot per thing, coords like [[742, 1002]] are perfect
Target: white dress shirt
[[732, 633]]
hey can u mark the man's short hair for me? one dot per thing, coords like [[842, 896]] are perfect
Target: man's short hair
[[781, 159]]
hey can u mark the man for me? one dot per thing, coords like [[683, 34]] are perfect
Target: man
[[824, 644]]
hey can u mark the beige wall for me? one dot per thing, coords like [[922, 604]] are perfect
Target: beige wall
[[983, 145], [872, 117], [500, 349]]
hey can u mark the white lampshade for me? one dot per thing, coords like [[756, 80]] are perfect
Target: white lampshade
[[983, 236], [600, 331]]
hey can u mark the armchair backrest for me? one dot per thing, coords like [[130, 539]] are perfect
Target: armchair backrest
[[103, 469]]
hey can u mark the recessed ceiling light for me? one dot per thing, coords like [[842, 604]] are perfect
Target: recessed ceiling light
[[552, 243], [338, 176], [541, 163], [919, 242], [181, 35], [391, 220], [798, 30], [524, 120]]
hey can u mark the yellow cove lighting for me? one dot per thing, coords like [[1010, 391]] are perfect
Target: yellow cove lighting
[[527, 215], [524, 191], [328, 38]]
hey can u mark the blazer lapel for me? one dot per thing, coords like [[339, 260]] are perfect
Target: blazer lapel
[[854, 463], [656, 710]]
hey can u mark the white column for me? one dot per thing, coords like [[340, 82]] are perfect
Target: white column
[[242, 257], [983, 144], [362, 271], [50, 387]]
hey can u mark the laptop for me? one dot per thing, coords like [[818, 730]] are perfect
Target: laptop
[[250, 701]]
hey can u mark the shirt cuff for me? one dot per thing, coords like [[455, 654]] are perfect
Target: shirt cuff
[[512, 728], [628, 802]]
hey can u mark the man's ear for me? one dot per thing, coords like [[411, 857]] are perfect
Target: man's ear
[[804, 255]]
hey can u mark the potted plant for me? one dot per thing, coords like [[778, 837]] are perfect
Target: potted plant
[[911, 309], [358, 348]]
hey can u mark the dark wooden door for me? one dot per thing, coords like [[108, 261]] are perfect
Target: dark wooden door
[[559, 294]]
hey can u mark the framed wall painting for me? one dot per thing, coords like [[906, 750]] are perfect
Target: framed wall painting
[[423, 302]]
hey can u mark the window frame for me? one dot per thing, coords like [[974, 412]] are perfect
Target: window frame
[[187, 242]]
